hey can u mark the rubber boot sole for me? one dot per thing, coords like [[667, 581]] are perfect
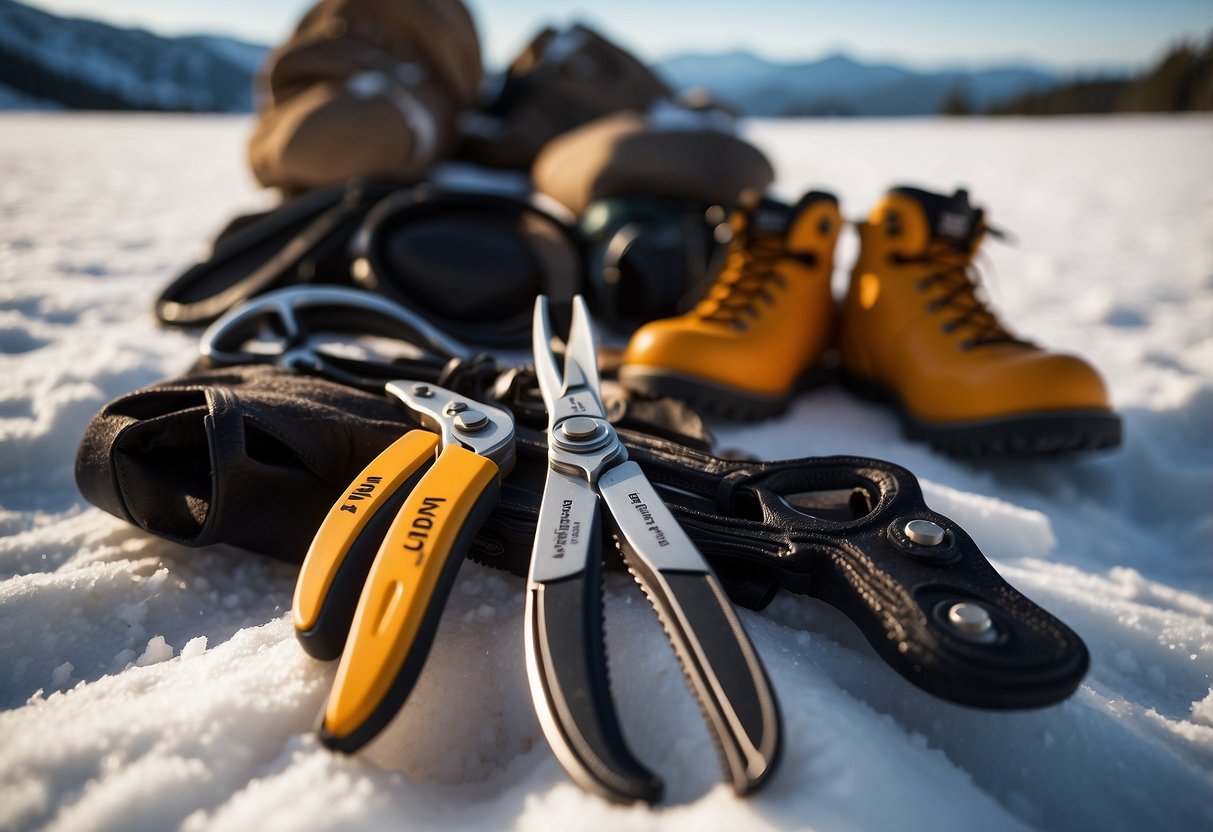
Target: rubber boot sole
[[713, 397], [1026, 434]]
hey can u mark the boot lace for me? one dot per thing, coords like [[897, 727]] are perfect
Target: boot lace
[[962, 293], [748, 273]]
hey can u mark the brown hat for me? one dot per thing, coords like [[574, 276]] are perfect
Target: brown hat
[[365, 88], [672, 153]]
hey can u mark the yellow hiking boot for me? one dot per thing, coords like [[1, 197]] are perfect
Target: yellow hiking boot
[[916, 333], [765, 323]]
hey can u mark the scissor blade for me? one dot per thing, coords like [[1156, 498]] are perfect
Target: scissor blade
[[575, 391], [721, 664], [546, 371], [565, 653], [581, 355]]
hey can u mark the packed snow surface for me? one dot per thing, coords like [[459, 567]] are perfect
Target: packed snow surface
[[149, 686]]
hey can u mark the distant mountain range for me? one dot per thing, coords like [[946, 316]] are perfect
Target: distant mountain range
[[51, 61], [47, 60], [840, 85]]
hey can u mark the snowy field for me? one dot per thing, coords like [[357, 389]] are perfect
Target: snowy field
[[148, 686]]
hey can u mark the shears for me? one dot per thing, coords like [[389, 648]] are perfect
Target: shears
[[853, 532], [566, 664], [375, 580]]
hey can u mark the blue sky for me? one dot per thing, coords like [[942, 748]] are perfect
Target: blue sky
[[1065, 34]]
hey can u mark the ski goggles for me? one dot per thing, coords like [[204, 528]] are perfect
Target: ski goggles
[[469, 261]]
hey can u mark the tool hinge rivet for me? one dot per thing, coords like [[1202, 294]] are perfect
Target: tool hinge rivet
[[579, 428], [471, 421]]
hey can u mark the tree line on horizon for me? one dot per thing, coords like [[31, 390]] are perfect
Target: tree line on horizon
[[1182, 81]]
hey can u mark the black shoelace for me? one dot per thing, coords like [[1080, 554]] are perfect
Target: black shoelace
[[961, 293], [748, 270]]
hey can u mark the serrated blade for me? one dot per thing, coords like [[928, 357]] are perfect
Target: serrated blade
[[721, 665]]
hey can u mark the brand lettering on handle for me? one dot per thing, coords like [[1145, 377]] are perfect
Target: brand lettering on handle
[[650, 523], [568, 531], [419, 528], [362, 492]]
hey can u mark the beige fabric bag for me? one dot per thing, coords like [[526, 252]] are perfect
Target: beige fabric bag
[[365, 89], [668, 153]]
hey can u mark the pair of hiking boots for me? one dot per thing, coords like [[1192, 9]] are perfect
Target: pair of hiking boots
[[913, 331]]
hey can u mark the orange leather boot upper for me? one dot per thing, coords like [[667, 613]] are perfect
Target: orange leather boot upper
[[769, 315], [914, 325]]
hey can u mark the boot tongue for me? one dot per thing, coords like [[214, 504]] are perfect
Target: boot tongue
[[762, 217], [951, 219]]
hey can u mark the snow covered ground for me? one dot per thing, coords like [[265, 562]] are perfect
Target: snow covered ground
[[148, 686]]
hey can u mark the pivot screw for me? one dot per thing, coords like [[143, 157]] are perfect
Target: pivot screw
[[924, 532], [579, 428], [972, 621], [471, 421], [422, 390]]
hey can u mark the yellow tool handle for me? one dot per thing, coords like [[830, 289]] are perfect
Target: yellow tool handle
[[337, 562], [398, 611]]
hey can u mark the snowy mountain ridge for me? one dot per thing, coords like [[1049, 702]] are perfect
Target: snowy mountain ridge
[[85, 64]]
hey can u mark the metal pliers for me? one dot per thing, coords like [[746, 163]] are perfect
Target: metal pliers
[[375, 580], [565, 656], [444, 481]]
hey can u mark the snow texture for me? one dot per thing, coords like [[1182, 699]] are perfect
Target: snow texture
[[146, 686]]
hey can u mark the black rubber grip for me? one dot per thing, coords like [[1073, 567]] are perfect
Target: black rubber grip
[[571, 659]]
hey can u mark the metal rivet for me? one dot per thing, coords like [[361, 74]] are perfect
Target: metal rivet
[[471, 421], [972, 620], [579, 427], [456, 407], [422, 390], [924, 532]]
